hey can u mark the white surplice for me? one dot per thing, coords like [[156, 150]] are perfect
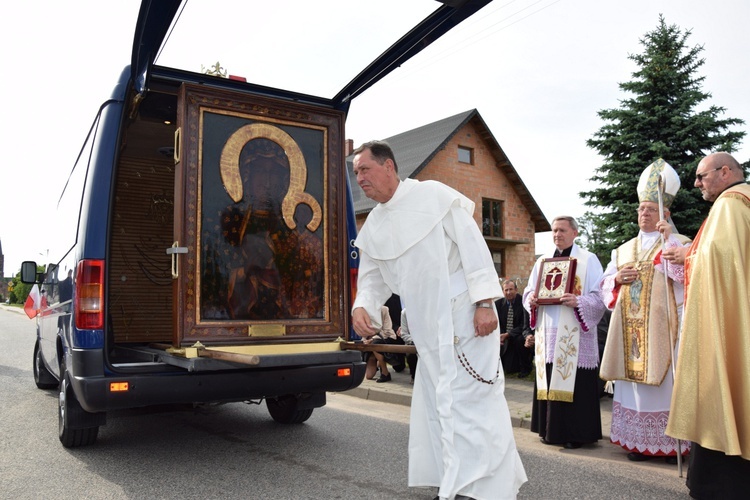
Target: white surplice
[[425, 246]]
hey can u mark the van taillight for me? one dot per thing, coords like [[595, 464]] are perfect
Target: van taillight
[[89, 295]]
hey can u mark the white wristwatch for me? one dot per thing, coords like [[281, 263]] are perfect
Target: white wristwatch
[[486, 305]]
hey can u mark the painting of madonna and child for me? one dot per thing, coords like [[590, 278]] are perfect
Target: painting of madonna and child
[[263, 229]]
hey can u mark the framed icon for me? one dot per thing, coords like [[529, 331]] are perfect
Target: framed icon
[[556, 277], [259, 189]]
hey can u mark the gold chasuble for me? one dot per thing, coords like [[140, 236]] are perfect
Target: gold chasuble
[[711, 398], [640, 347]]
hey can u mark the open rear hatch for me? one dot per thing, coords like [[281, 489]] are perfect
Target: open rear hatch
[[229, 234]]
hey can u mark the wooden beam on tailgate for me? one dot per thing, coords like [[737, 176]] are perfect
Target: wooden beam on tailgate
[[246, 359], [397, 348]]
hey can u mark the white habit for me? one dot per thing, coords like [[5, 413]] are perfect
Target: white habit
[[424, 245]]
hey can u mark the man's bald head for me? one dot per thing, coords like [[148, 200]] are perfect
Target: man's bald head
[[715, 173]]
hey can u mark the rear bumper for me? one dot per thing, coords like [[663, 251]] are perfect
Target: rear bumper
[[289, 374]]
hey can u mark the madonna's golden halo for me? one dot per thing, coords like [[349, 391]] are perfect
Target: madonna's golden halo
[[230, 170]]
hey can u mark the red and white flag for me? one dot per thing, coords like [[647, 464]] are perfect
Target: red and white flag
[[33, 303]]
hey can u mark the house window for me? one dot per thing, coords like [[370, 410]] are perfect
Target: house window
[[466, 155], [498, 259], [492, 218]]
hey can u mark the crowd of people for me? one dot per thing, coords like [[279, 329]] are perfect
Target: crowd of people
[[667, 323]]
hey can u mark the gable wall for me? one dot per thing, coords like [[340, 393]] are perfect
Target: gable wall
[[485, 180]]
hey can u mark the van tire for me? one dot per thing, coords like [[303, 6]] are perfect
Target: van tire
[[284, 410], [72, 417], [42, 376]]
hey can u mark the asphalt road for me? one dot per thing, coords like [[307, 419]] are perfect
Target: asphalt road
[[350, 449]]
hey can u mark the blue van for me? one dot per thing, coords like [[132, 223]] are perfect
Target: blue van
[[208, 256]]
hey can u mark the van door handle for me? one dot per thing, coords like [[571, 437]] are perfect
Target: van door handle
[[174, 250], [176, 153]]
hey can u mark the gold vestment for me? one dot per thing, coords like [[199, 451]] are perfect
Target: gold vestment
[[639, 342], [711, 397]]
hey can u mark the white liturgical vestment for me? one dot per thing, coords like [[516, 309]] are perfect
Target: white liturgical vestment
[[424, 245]]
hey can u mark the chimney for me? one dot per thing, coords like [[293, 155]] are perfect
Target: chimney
[[348, 147]]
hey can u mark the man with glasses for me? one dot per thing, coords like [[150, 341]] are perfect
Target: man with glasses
[[711, 400], [643, 328]]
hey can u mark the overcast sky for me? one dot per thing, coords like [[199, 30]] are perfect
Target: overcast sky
[[536, 70]]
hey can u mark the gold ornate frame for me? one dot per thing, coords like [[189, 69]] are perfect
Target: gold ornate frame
[[265, 118]]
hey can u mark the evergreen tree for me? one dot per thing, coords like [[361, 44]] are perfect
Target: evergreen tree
[[660, 120]]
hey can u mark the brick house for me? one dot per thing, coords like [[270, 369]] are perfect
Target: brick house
[[461, 151]]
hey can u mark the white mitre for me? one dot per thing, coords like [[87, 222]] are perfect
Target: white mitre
[[648, 184]]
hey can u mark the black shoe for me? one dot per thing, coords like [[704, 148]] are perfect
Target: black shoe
[[384, 378], [544, 441], [638, 457], [399, 368], [573, 445]]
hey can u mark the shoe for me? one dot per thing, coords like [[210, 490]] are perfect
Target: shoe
[[573, 445], [384, 378], [544, 441], [399, 368], [638, 457]]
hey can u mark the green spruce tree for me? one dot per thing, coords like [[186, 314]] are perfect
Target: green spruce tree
[[665, 117]]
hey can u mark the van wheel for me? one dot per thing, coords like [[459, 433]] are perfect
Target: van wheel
[[72, 418], [42, 376], [284, 410]]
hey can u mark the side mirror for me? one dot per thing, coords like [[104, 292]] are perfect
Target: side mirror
[[28, 272]]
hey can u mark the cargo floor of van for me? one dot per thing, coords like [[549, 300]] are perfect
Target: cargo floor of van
[[141, 357]]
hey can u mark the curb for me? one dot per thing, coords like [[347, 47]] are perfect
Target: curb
[[12, 308], [518, 398], [379, 396], [405, 400]]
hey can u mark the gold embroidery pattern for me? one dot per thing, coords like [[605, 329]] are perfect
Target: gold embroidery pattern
[[568, 349], [635, 299]]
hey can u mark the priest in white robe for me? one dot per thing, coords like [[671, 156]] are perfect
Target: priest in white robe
[[422, 243], [565, 404]]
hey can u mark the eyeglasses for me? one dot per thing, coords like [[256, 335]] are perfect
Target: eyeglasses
[[699, 177], [646, 210]]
